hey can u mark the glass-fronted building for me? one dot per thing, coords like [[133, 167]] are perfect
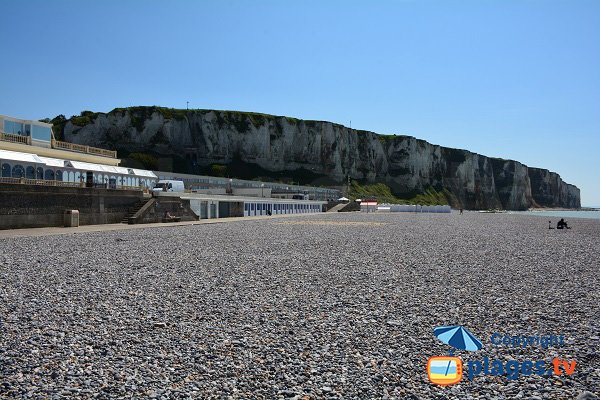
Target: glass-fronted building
[[33, 131], [28, 151]]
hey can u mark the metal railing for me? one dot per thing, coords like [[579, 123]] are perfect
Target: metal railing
[[57, 144], [8, 137], [45, 182]]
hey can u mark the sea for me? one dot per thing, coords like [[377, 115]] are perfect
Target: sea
[[561, 214]]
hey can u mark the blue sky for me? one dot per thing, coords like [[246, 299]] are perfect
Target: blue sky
[[511, 79]]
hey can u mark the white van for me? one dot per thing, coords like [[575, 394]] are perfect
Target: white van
[[168, 186]]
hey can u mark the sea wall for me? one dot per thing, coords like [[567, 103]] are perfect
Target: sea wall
[[29, 206]]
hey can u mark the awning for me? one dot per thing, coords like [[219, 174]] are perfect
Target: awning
[[143, 172], [18, 156], [98, 167], [84, 166], [53, 162], [87, 166], [122, 170]]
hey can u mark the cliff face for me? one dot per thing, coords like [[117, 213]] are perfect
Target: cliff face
[[550, 191], [325, 151]]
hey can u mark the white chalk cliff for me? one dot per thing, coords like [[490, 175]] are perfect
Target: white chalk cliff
[[408, 165]]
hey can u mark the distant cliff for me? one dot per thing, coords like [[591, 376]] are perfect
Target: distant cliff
[[259, 145]]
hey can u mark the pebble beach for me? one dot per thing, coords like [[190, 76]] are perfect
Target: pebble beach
[[339, 305]]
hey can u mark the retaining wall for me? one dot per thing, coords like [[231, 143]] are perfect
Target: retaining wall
[[30, 206]]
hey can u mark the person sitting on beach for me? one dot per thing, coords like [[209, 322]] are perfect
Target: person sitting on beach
[[562, 224]]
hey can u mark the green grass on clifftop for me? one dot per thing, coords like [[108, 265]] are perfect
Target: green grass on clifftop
[[383, 194]]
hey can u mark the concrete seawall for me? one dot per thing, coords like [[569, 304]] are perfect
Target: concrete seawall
[[24, 206]]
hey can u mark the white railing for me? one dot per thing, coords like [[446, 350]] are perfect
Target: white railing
[[57, 144]]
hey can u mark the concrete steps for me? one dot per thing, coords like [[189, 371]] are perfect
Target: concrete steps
[[337, 208], [133, 210]]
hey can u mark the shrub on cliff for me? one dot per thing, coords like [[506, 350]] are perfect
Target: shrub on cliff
[[148, 161], [218, 170]]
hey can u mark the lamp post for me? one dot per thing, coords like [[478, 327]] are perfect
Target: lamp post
[[262, 186]]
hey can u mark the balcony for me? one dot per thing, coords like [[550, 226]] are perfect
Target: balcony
[[57, 144], [7, 137]]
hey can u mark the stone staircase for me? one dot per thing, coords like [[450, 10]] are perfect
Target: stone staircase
[[337, 207], [133, 210]]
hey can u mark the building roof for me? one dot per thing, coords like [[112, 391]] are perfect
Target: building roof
[[53, 162], [17, 156], [143, 172], [58, 163]]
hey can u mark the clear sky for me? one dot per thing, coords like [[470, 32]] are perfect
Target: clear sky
[[511, 79]]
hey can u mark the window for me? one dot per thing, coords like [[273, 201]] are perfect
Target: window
[[6, 170], [49, 175], [246, 207], [30, 172], [59, 175], [18, 171], [41, 133], [39, 173], [13, 128]]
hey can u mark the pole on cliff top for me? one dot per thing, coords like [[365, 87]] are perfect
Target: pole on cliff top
[[187, 105]]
